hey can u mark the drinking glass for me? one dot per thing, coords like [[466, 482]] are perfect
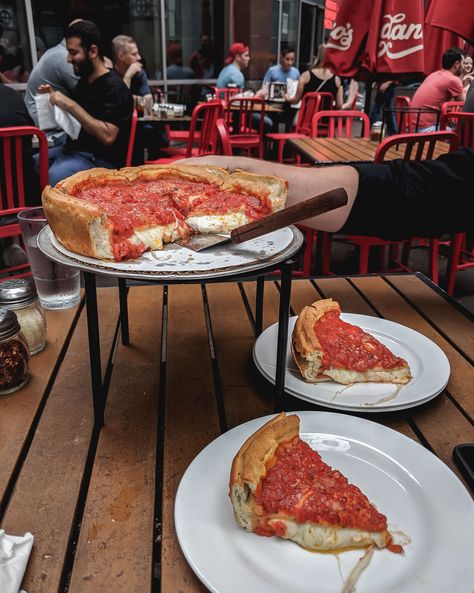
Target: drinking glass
[[58, 286]]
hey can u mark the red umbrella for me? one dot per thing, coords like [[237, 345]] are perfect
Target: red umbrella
[[456, 16], [374, 37]]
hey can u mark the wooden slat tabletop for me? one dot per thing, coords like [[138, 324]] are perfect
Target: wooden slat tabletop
[[100, 503], [341, 150]]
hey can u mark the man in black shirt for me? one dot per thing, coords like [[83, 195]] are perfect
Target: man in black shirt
[[393, 200], [102, 104]]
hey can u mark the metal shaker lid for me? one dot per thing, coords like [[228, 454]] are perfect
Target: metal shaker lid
[[17, 293], [9, 325]]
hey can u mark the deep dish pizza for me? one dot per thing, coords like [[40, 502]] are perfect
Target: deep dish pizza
[[325, 347], [280, 486], [119, 214]]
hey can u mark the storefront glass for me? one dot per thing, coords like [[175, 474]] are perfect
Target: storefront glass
[[15, 51]]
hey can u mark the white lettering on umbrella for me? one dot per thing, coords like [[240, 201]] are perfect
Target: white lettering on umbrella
[[396, 30], [342, 37]]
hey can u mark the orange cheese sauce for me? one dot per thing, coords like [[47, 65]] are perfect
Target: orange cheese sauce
[[299, 484], [349, 347]]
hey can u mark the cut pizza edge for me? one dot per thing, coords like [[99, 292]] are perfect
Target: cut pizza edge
[[249, 467], [84, 228], [308, 352]]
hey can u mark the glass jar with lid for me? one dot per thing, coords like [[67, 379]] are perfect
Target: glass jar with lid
[[19, 295], [14, 355]]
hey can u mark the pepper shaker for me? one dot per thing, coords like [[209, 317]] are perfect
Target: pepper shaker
[[14, 356], [19, 295]]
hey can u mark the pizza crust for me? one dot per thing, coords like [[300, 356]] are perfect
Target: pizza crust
[[249, 467], [308, 354], [84, 228]]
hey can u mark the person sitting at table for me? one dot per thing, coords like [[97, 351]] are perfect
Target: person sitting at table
[[394, 200], [283, 71], [237, 60], [437, 88], [467, 74], [127, 62], [319, 79], [102, 104]]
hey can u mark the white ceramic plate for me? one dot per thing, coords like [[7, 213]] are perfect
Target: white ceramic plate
[[420, 496], [428, 364]]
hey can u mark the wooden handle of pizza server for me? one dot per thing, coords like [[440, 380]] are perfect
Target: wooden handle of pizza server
[[330, 200]]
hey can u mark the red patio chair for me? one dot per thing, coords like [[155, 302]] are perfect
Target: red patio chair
[[339, 123], [447, 109], [131, 139], [223, 132], [198, 144], [226, 94], [246, 134], [414, 147], [309, 106], [12, 186], [402, 115]]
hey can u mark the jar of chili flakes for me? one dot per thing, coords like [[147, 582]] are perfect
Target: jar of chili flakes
[[14, 353]]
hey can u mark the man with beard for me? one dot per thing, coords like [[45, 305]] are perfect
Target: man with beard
[[440, 86], [102, 104]]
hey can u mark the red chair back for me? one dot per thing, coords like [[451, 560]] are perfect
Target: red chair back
[[310, 104], [402, 106], [415, 147], [447, 108], [462, 124], [339, 123], [223, 132], [204, 142], [226, 94], [242, 110], [12, 190], [131, 139]]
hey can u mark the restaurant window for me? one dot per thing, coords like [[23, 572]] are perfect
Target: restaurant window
[[15, 50], [138, 18]]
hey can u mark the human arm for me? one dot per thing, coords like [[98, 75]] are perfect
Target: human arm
[[103, 131], [457, 90], [339, 94], [133, 69], [352, 96], [299, 89]]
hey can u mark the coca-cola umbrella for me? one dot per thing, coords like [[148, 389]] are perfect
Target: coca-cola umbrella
[[456, 16], [377, 38]]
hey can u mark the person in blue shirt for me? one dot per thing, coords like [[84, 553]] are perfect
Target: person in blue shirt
[[237, 60], [284, 70]]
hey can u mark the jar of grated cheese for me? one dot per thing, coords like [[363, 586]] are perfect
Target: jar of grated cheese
[[19, 295]]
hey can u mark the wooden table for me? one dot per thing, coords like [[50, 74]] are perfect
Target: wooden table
[[269, 107], [100, 504], [147, 119], [347, 150]]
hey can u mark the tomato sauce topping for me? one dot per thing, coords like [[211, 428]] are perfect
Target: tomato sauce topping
[[348, 347], [300, 485], [161, 201]]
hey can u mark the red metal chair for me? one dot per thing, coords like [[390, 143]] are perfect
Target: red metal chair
[[462, 125], [309, 106], [12, 184], [131, 139], [226, 94], [447, 109], [402, 115], [245, 118], [199, 144], [339, 123], [224, 138], [414, 147]]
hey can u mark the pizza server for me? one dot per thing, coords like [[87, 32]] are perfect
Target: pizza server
[[320, 204]]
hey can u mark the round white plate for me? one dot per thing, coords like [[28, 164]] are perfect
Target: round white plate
[[177, 260], [428, 364], [420, 496]]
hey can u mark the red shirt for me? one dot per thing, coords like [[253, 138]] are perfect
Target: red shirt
[[438, 87]]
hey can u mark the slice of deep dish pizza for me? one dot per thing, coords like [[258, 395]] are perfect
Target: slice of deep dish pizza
[[325, 347]]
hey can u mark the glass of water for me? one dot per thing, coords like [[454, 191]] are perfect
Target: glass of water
[[58, 286]]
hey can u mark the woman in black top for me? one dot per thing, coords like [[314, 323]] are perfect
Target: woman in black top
[[319, 80]]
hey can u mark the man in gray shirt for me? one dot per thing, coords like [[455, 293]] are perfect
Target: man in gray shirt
[[53, 69]]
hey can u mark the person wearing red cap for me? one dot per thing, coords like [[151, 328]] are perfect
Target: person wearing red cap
[[237, 60]]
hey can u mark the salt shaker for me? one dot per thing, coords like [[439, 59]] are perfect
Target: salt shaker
[[14, 356], [19, 295]]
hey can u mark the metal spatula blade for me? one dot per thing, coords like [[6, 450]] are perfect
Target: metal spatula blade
[[320, 204]]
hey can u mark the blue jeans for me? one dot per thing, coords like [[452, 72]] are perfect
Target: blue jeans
[[63, 163]]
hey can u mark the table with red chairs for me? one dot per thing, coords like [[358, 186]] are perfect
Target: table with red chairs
[[347, 150]]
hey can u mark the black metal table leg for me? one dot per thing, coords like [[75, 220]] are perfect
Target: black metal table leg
[[122, 284], [259, 305], [94, 348], [285, 292]]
